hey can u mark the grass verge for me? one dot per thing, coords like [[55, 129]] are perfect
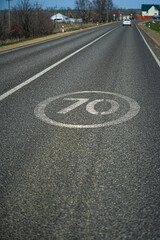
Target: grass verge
[[154, 35], [9, 45], [154, 25], [67, 28]]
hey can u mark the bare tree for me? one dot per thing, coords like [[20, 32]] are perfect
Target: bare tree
[[109, 6], [30, 20], [84, 8], [23, 17], [4, 30], [102, 8]]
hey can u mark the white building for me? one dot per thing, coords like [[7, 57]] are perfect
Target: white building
[[150, 10], [59, 18], [75, 20]]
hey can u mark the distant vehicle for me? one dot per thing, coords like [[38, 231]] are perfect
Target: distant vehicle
[[126, 22]]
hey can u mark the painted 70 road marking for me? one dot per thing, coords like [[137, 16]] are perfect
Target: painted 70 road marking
[[40, 110], [90, 107]]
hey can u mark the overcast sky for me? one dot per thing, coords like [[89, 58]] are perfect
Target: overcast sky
[[71, 3]]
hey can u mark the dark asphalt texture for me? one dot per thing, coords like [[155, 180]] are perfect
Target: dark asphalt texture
[[65, 183]]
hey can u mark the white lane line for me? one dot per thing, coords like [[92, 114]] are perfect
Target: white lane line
[[155, 57], [13, 90]]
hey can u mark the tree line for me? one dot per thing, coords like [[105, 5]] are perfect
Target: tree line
[[26, 20], [96, 10]]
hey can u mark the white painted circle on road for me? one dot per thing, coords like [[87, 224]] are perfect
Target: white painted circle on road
[[90, 108]]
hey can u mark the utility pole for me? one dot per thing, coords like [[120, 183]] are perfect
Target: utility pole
[[9, 14], [56, 15], [107, 14]]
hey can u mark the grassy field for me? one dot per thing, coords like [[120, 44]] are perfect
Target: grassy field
[[154, 25]]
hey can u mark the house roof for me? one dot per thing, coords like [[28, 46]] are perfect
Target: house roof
[[59, 16], [146, 7]]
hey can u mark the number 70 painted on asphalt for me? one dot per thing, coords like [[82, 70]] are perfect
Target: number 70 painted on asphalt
[[90, 107]]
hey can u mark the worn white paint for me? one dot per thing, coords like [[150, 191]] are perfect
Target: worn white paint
[[132, 112], [91, 107], [79, 101]]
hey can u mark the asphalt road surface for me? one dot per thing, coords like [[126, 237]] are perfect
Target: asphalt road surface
[[80, 138]]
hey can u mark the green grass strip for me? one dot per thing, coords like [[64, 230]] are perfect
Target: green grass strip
[[154, 25]]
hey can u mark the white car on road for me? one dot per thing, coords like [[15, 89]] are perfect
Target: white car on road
[[126, 22]]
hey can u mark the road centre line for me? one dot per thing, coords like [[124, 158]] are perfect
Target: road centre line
[[13, 90], [155, 57]]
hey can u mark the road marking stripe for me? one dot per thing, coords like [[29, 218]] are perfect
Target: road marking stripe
[[153, 54], [13, 90]]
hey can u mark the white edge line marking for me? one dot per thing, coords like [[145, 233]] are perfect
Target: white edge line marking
[[8, 93], [155, 57]]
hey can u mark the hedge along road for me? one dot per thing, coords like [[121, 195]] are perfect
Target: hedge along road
[[81, 183]]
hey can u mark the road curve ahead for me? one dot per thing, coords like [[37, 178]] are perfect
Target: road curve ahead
[[80, 137]]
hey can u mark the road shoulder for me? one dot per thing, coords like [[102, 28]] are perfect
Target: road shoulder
[[152, 37], [42, 39]]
